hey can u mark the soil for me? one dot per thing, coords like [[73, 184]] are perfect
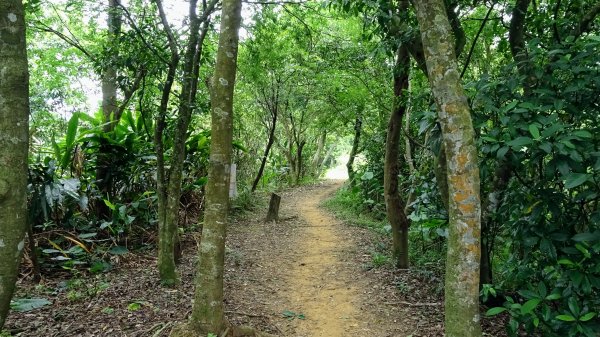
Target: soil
[[307, 275]]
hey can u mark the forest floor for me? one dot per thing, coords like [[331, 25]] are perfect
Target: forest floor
[[308, 275]]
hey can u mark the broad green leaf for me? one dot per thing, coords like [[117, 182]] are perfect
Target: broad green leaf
[[587, 317], [582, 134], [70, 139], [530, 305], [534, 131], [495, 311], [553, 297], [118, 250], [510, 106], [28, 304], [502, 152], [566, 318], [546, 146], [573, 179], [367, 176], [519, 142], [595, 236]]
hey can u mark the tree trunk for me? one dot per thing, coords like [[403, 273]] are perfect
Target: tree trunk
[[208, 312], [393, 202], [354, 150], [14, 142], [166, 259], [267, 149], [318, 157], [273, 214], [516, 39], [170, 183], [109, 109], [462, 266]]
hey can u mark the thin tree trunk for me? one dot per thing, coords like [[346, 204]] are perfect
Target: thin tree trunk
[[14, 142], [168, 231], [354, 150], [462, 266], [208, 312], [516, 39], [166, 260], [267, 149], [109, 108], [393, 202], [318, 157]]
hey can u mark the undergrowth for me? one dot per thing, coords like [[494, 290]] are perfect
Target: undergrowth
[[427, 237]]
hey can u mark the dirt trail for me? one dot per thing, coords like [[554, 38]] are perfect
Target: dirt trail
[[319, 284]]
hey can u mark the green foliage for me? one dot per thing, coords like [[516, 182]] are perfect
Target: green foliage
[[551, 142]]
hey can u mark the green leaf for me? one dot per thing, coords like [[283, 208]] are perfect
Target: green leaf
[[70, 139], [553, 297], [575, 179], [28, 304], [502, 152], [110, 204], [510, 106], [118, 250], [582, 134], [495, 311], [566, 318], [546, 146], [566, 262], [534, 131], [587, 236], [135, 306], [519, 142], [367, 176], [529, 306], [587, 317]]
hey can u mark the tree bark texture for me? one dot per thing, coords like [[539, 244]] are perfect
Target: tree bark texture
[[109, 108], [394, 204], [516, 39], [273, 214], [14, 144], [171, 179], [462, 266], [355, 146], [208, 311], [270, 142]]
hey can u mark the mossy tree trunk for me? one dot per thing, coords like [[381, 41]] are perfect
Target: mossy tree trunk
[[462, 266], [14, 144], [395, 205], [208, 311]]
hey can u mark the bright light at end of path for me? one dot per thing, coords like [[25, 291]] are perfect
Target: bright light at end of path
[[338, 172]]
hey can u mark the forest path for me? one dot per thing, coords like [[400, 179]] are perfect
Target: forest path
[[319, 284]]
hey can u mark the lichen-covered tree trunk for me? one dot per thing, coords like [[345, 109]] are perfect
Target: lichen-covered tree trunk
[[208, 312], [14, 143], [462, 266], [393, 202]]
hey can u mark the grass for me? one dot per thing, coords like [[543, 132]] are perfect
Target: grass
[[348, 207]]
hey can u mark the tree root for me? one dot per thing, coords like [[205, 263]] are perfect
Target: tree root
[[184, 330]]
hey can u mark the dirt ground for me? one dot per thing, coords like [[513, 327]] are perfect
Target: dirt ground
[[308, 275]]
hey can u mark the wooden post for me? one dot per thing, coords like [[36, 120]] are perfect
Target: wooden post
[[273, 214]]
